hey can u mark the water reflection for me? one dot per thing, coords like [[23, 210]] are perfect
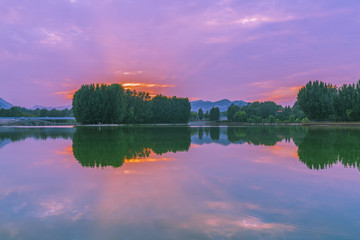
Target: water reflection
[[8, 134], [318, 148], [323, 147], [107, 146], [259, 135], [222, 183], [19, 134]]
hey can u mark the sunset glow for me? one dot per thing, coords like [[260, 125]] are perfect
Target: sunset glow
[[66, 94], [145, 85], [282, 95], [151, 88], [209, 50]]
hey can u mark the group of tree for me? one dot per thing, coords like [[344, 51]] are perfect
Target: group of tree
[[265, 112], [201, 114], [93, 104], [24, 112], [326, 102], [213, 115]]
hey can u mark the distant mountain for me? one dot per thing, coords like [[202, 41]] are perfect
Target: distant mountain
[[4, 104], [50, 108], [207, 105]]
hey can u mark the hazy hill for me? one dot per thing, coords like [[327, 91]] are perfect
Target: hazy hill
[[4, 104], [49, 108], [207, 105]]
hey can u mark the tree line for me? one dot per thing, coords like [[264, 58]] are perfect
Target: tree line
[[326, 102], [107, 104], [24, 112], [212, 115], [265, 112], [316, 101], [256, 112]]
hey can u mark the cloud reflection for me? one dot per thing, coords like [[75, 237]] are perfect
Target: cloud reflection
[[215, 190]]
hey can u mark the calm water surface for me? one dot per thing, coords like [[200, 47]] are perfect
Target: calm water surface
[[179, 183]]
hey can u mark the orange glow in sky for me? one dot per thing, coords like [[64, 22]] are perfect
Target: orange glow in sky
[[151, 88], [282, 94]]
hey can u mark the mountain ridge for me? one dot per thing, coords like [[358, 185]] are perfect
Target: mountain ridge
[[4, 104], [50, 108], [222, 104]]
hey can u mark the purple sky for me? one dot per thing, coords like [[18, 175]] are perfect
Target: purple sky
[[240, 50]]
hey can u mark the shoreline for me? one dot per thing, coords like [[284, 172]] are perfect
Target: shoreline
[[331, 124], [192, 124]]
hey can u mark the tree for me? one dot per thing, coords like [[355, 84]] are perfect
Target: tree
[[214, 114], [232, 109], [138, 107], [316, 100], [207, 115], [94, 104], [240, 116], [170, 110], [201, 114]]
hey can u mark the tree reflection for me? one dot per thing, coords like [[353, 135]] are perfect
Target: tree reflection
[[8, 135], [318, 148], [264, 135], [254, 135], [215, 133], [107, 146], [323, 147]]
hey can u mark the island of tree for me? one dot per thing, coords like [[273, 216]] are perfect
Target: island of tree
[[111, 104], [316, 101]]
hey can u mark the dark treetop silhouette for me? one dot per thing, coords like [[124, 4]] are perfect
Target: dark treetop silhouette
[[93, 104]]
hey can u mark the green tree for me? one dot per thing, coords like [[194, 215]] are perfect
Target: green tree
[[207, 115], [232, 109], [240, 116], [316, 100], [137, 107], [94, 104], [214, 114], [170, 110], [201, 114]]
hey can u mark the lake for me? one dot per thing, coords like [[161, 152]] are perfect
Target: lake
[[265, 182]]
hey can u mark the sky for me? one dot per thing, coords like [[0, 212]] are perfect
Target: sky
[[240, 50]]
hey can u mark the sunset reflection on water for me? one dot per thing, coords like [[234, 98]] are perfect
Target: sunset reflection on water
[[232, 184]]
